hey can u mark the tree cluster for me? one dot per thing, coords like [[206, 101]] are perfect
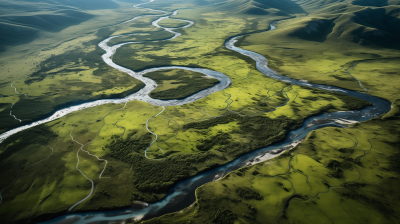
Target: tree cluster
[[190, 83], [248, 193]]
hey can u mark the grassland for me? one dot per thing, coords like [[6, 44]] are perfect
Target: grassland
[[345, 181], [118, 134], [142, 29], [254, 111], [337, 46], [181, 139], [201, 45], [172, 23], [63, 68], [176, 84], [336, 175]]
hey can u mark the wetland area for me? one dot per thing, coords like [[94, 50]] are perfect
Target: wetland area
[[200, 112]]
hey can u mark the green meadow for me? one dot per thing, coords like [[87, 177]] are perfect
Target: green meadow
[[61, 68], [172, 23], [356, 164], [347, 180], [176, 84], [341, 175]]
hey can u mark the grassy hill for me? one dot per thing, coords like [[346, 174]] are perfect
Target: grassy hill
[[50, 54], [330, 43], [257, 7], [21, 21]]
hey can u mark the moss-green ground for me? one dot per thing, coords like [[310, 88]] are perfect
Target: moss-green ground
[[330, 60], [176, 84], [65, 67], [341, 175], [191, 138], [172, 23]]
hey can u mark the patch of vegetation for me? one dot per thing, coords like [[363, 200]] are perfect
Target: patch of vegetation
[[21, 140], [172, 23], [395, 162], [219, 139], [223, 217], [367, 42], [248, 193], [351, 103], [76, 84], [178, 84], [145, 37], [121, 148], [159, 175], [317, 190], [196, 47]]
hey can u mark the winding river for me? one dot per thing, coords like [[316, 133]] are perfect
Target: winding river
[[182, 195], [150, 85]]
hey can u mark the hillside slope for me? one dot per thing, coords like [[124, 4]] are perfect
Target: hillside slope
[[22, 21]]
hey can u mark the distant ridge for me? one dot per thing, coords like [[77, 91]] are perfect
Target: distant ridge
[[361, 22], [22, 20], [258, 7]]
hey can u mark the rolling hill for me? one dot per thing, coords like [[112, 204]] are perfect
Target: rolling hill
[[22, 21]]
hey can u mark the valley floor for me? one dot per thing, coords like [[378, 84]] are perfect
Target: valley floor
[[109, 156]]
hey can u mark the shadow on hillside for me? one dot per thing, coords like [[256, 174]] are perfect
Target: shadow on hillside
[[377, 27], [287, 5], [316, 30], [376, 3]]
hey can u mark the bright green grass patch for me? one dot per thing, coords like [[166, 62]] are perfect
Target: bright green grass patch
[[202, 41], [380, 76], [156, 34], [189, 142], [339, 174]]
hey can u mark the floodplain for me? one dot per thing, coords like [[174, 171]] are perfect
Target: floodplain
[[115, 154]]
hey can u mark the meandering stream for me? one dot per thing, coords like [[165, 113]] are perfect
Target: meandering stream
[[150, 85], [183, 194]]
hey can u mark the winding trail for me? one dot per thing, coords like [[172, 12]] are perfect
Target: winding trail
[[116, 125], [77, 167], [359, 82], [81, 149], [14, 115], [15, 89], [147, 127]]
